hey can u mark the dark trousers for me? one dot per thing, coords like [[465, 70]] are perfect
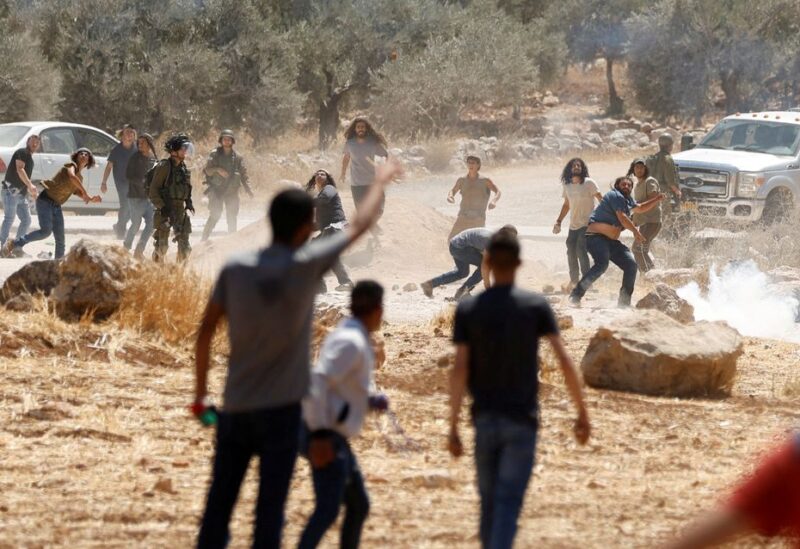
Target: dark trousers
[[360, 191], [641, 251], [463, 257], [504, 456], [338, 267], [51, 221], [340, 482], [604, 250], [216, 202], [577, 256], [271, 434]]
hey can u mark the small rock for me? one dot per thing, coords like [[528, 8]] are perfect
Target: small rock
[[666, 300], [37, 276], [22, 303], [548, 289], [445, 360], [164, 485], [564, 322], [395, 287], [410, 287]]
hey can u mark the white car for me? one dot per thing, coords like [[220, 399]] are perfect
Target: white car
[[59, 141]]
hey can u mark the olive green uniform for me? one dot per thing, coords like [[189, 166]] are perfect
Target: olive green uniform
[[171, 194], [223, 192], [662, 168]]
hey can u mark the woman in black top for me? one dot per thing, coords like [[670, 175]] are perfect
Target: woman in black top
[[140, 205], [329, 218]]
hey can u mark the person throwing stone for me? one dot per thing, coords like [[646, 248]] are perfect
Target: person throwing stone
[[466, 248], [606, 223]]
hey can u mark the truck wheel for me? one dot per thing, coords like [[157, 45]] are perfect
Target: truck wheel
[[778, 206]]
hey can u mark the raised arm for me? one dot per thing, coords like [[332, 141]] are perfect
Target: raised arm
[[497, 194], [574, 384]]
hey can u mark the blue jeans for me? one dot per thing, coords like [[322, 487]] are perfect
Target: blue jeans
[[51, 221], [577, 254], [463, 257], [504, 456], [14, 204], [603, 250], [340, 482], [273, 435], [124, 213], [140, 208]]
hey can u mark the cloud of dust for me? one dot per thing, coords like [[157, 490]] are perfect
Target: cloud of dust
[[743, 296]]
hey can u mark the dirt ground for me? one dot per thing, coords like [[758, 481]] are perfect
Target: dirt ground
[[98, 449]]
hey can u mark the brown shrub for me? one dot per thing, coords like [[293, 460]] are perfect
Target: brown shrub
[[164, 299]]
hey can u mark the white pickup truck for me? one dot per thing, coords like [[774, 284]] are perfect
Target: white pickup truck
[[747, 168]]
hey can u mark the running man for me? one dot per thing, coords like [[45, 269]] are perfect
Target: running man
[[497, 337], [606, 223], [579, 192], [334, 411], [18, 189], [361, 147], [269, 364], [467, 249], [475, 193]]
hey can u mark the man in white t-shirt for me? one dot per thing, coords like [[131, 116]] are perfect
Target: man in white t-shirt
[[580, 193], [334, 411]]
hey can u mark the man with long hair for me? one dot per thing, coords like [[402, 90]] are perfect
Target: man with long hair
[[579, 192], [608, 220], [362, 145]]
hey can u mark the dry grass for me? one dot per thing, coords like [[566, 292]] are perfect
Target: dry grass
[[165, 300], [442, 322]]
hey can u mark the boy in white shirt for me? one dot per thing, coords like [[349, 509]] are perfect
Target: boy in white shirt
[[334, 411]]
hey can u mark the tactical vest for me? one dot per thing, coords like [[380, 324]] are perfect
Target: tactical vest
[[179, 185]]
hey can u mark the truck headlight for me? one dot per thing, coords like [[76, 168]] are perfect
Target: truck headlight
[[749, 183]]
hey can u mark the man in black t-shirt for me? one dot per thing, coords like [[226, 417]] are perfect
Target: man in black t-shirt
[[17, 187], [497, 341]]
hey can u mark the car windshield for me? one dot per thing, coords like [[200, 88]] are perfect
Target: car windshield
[[754, 136], [10, 135]]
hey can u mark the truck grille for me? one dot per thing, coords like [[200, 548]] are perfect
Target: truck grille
[[699, 183]]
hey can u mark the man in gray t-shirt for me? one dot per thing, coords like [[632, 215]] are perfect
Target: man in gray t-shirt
[[467, 249], [363, 144], [267, 297]]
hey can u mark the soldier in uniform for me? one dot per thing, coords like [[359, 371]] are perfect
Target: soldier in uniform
[[225, 172], [662, 168], [170, 191]]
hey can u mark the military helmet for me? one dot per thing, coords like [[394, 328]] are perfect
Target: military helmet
[[226, 133], [176, 142], [665, 138]]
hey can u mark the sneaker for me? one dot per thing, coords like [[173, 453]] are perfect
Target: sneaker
[[346, 287], [574, 301], [463, 291], [427, 288]]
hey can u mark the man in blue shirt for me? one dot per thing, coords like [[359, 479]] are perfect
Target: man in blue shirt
[[606, 223]]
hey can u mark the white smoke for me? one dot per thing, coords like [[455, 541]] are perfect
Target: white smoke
[[745, 297]]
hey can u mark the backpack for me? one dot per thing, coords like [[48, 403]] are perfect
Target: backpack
[[148, 176]]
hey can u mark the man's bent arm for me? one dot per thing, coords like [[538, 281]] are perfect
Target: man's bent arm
[[648, 204], [23, 175], [202, 358], [627, 223]]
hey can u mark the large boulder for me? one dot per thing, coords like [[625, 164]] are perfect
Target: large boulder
[[652, 354], [665, 299], [92, 280], [35, 277]]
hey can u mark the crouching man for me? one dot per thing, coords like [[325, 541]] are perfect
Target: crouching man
[[334, 412]]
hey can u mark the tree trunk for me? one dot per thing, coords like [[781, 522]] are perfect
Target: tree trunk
[[729, 83], [328, 121], [615, 103]]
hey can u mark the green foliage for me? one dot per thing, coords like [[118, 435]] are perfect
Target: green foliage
[[427, 92], [28, 84], [683, 49]]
